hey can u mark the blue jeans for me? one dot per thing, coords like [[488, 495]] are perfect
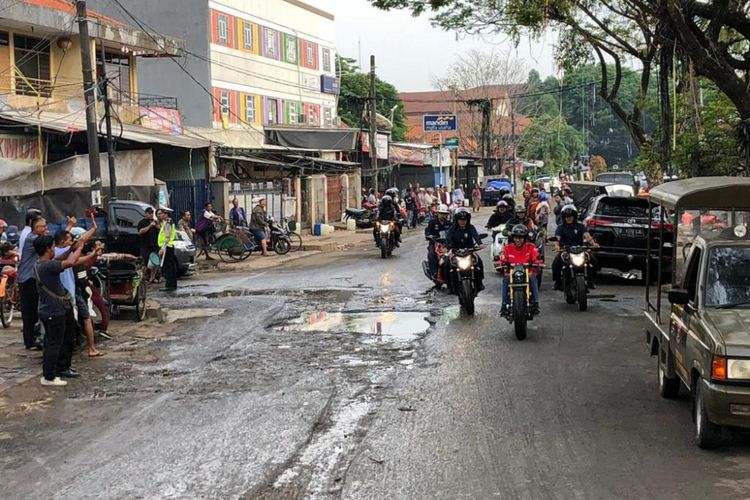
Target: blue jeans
[[260, 235], [534, 290]]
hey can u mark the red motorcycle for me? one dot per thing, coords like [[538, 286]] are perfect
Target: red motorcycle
[[439, 278]]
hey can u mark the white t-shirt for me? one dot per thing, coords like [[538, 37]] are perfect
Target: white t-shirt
[[208, 215]]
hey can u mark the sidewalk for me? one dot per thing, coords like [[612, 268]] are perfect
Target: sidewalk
[[339, 241]]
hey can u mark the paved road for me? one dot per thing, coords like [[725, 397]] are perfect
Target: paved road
[[283, 397]]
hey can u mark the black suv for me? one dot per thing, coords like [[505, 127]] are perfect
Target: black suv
[[620, 226]]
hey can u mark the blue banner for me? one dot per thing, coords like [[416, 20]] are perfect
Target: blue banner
[[440, 123]]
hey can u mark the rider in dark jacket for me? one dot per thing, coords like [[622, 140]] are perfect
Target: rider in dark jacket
[[388, 211], [501, 215], [436, 226], [463, 235]]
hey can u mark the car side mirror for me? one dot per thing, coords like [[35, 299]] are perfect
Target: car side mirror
[[679, 296]]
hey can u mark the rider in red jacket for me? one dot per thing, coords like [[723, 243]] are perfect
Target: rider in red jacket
[[520, 252]]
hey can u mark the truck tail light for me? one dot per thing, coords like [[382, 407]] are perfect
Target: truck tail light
[[718, 368]]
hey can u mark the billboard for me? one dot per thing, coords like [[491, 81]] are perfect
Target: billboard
[[440, 123]]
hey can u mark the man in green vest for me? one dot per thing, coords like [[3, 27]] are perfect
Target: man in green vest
[[167, 234]]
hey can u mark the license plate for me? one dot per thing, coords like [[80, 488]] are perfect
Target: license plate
[[633, 232]]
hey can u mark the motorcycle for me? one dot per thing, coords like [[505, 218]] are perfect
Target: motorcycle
[[386, 231], [499, 240], [575, 275], [9, 293], [520, 297], [362, 216], [441, 251], [462, 276], [280, 241]]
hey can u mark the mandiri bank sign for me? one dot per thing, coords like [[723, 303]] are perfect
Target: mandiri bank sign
[[440, 123]]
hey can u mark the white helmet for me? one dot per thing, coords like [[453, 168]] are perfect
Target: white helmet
[[443, 209]]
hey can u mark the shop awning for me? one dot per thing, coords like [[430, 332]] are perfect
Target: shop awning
[[76, 122], [320, 139]]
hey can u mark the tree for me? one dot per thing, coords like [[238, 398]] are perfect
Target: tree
[[355, 87], [470, 81], [550, 139]]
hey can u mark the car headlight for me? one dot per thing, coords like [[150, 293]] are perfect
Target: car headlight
[[738, 369], [464, 263], [578, 259], [384, 229]]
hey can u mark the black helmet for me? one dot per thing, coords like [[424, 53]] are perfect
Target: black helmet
[[386, 199], [509, 199], [519, 208], [520, 230], [569, 210], [462, 214]]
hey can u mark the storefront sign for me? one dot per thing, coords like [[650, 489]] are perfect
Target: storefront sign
[[329, 85], [164, 119], [20, 149]]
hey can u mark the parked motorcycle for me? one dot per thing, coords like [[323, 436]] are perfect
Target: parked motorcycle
[[280, 241], [575, 275], [520, 297], [462, 277], [363, 217], [386, 231]]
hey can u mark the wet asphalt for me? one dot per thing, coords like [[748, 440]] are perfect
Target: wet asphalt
[[347, 376]]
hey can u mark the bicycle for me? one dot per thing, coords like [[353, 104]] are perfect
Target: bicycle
[[295, 240], [217, 242]]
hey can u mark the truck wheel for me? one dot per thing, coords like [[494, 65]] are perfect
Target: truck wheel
[[669, 388], [707, 434]]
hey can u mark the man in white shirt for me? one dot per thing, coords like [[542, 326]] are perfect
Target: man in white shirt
[[31, 214]]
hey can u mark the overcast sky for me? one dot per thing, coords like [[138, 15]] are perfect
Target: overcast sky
[[409, 52]]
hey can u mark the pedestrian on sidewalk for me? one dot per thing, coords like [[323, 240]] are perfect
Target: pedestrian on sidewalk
[[237, 215], [167, 235], [148, 228], [259, 226], [476, 198], [55, 309], [31, 214]]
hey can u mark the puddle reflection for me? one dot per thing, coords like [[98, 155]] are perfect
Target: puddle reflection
[[394, 325]]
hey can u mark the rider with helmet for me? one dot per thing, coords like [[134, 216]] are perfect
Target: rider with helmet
[[520, 252], [510, 200], [462, 235], [569, 234], [433, 232], [501, 216], [388, 211], [520, 216]]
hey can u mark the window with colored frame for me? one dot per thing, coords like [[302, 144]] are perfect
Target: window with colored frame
[[248, 42], [271, 49], [222, 28], [250, 109], [327, 60]]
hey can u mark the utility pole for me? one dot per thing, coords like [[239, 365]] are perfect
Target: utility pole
[[373, 127], [513, 144], [108, 122], [89, 92]]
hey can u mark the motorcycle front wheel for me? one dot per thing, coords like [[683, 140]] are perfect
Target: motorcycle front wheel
[[7, 311], [519, 313], [383, 248], [570, 296], [582, 293], [466, 296]]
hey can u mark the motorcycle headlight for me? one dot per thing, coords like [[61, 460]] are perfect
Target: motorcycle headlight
[[578, 259], [464, 263], [384, 229]]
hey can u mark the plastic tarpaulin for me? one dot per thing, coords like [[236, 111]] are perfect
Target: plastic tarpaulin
[[314, 139], [497, 185]]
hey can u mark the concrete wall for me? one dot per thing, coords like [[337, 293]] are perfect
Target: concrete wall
[[184, 19]]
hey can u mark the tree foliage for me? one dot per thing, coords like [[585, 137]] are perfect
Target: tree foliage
[[355, 87], [549, 138]]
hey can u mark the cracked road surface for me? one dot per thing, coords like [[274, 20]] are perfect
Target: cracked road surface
[[346, 376]]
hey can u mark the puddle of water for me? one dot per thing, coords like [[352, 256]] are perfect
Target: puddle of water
[[403, 326]]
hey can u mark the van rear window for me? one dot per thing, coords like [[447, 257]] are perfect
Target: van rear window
[[623, 207], [626, 179]]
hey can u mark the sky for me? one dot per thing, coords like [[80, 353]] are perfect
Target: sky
[[409, 52]]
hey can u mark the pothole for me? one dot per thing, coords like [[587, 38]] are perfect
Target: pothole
[[399, 326]]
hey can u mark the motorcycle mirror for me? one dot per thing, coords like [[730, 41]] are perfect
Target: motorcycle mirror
[[552, 239], [482, 236]]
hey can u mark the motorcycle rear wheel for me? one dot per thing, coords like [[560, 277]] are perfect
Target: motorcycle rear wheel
[[519, 313], [466, 296], [583, 303]]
